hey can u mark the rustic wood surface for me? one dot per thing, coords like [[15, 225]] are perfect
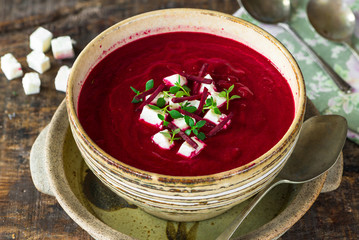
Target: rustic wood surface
[[27, 214]]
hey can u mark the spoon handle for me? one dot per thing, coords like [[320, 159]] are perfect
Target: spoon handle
[[239, 219], [352, 48], [340, 82]]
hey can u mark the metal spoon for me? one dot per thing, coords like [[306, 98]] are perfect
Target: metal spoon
[[333, 19], [319, 145], [278, 12]]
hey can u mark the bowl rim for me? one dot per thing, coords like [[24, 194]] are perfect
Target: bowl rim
[[147, 175]]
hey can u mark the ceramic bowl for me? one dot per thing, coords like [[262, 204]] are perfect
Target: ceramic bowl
[[173, 197]]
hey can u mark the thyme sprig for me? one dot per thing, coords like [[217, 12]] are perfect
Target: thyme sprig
[[225, 93]]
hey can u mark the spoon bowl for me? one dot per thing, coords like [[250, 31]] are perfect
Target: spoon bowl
[[278, 12], [319, 145], [332, 19]]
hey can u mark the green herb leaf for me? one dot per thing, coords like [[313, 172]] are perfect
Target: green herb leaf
[[153, 107], [201, 136], [165, 123], [200, 124], [230, 89], [190, 122], [149, 84], [216, 110], [190, 109], [177, 130], [187, 118], [234, 97], [195, 131], [188, 132], [180, 94], [166, 134], [161, 102], [186, 89], [174, 89], [175, 114], [134, 90], [222, 94], [160, 116], [135, 100]]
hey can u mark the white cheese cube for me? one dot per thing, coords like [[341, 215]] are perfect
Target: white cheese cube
[[181, 123], [214, 117], [160, 95], [61, 78], [150, 116], [11, 67], [210, 87], [163, 139], [31, 83], [219, 100], [171, 80], [188, 151], [40, 40], [172, 104], [194, 103], [62, 47], [38, 61]]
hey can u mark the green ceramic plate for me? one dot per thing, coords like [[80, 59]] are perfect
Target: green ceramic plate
[[104, 215]]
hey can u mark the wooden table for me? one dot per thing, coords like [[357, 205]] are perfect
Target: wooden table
[[27, 214]]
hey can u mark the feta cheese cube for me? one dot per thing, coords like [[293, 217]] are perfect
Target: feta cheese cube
[[181, 123], [61, 78], [171, 80], [219, 100], [38, 61], [214, 117], [188, 151], [11, 67], [163, 139], [172, 104], [160, 95], [150, 116], [40, 40], [62, 47], [31, 83], [194, 103], [210, 87]]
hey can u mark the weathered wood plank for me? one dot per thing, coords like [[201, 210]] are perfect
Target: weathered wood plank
[[27, 214]]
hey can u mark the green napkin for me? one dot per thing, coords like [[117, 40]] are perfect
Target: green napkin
[[320, 87]]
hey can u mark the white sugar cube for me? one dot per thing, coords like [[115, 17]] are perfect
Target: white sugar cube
[[219, 100], [40, 40], [61, 78], [181, 123], [163, 139], [11, 67], [150, 116], [31, 83], [187, 150], [210, 87], [62, 47], [38, 61], [171, 80]]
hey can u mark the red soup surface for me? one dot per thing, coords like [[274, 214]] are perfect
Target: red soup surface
[[260, 117]]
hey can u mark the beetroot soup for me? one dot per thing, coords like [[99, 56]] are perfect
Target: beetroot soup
[[185, 104]]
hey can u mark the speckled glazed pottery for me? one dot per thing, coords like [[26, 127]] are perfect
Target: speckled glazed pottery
[[185, 198]]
